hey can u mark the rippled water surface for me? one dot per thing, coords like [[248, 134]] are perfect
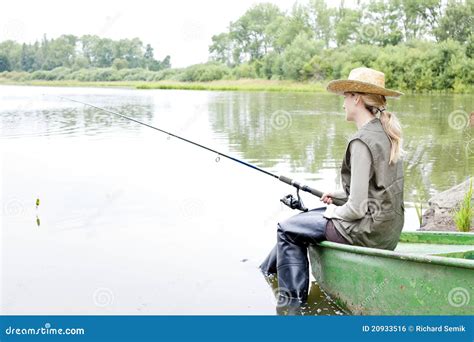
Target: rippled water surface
[[132, 221]]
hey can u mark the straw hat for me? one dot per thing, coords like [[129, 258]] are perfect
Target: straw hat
[[363, 80]]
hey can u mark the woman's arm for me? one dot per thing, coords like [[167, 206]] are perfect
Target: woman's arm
[[361, 170], [340, 194]]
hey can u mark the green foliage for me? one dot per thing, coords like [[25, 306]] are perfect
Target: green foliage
[[79, 52], [251, 35], [320, 17], [457, 22], [348, 25], [220, 50], [296, 56], [195, 73], [17, 76], [119, 63], [463, 216], [204, 73], [395, 36], [4, 63], [311, 42], [245, 70]]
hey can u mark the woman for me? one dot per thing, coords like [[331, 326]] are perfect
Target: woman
[[372, 185]]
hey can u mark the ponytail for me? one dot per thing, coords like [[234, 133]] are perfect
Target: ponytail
[[376, 104], [392, 127]]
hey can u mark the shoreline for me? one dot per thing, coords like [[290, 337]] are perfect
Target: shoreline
[[221, 85]]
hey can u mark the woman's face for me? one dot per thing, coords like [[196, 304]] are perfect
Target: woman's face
[[351, 101]]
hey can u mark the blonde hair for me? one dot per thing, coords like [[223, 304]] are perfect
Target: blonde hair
[[377, 104]]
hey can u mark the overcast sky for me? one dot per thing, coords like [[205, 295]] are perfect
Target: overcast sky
[[179, 28]]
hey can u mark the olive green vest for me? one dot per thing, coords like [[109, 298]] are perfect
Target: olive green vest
[[382, 225]]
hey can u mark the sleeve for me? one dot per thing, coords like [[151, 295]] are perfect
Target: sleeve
[[361, 168], [340, 194]]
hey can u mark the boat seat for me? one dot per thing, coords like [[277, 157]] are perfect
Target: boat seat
[[433, 249]]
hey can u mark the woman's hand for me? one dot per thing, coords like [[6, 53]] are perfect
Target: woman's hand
[[327, 197]]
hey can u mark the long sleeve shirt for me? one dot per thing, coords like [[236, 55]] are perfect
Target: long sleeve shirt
[[361, 171]]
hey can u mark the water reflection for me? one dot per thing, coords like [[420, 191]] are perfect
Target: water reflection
[[74, 120], [310, 139], [437, 156]]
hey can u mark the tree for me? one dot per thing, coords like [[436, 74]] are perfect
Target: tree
[[61, 52], [348, 23], [88, 47], [457, 22], [148, 55], [105, 53], [284, 29], [149, 60], [119, 63], [417, 16], [129, 49], [250, 32], [27, 61], [12, 52], [4, 63], [297, 55], [381, 25], [166, 63], [221, 49], [320, 16]]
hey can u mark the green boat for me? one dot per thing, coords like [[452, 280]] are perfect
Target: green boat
[[429, 273]]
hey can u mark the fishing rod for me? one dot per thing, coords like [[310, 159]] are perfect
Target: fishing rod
[[288, 200]]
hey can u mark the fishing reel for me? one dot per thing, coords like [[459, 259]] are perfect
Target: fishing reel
[[294, 203]]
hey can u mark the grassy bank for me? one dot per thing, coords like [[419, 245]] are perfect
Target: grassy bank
[[221, 85], [71, 83], [241, 85]]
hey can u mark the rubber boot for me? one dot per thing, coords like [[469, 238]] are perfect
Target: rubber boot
[[269, 265]]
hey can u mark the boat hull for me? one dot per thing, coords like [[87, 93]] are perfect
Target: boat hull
[[428, 274]]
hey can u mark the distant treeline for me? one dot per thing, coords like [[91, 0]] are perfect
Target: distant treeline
[[421, 45], [76, 53]]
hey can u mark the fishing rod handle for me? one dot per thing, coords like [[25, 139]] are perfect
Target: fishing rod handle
[[317, 193]]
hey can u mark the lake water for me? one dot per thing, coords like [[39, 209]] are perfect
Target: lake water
[[132, 221]]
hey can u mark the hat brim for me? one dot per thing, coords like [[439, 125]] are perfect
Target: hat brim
[[342, 86]]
